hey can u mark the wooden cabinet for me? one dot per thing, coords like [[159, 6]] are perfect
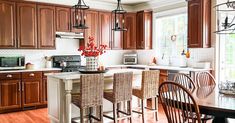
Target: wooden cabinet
[[26, 25], [199, 23], [105, 28], [130, 34], [31, 88], [8, 25], [46, 27], [144, 30], [10, 94], [117, 36], [63, 19], [92, 22]]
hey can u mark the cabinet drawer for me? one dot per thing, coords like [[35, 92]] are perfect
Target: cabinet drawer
[[32, 75], [9, 76], [46, 72]]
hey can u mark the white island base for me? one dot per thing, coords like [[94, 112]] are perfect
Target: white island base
[[61, 85]]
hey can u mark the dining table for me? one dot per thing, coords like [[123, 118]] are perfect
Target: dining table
[[212, 102]]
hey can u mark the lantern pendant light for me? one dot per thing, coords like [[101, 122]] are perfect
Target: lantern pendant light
[[119, 13], [80, 17]]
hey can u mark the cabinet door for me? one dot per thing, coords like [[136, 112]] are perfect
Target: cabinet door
[[105, 28], [206, 23], [117, 36], [62, 19], [140, 30], [73, 21], [8, 25], [46, 27], [194, 24], [10, 96], [31, 92], [148, 30], [92, 18], [44, 91], [130, 34], [26, 26]]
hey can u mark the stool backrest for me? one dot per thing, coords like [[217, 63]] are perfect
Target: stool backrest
[[150, 83], [178, 103], [91, 88], [122, 86]]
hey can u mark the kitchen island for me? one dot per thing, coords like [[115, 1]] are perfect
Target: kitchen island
[[61, 85]]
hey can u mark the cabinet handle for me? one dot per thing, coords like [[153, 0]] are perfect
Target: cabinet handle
[[19, 87], [31, 74], [9, 76], [22, 86]]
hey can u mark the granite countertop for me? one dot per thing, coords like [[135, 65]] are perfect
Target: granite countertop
[[161, 67], [33, 70], [76, 75]]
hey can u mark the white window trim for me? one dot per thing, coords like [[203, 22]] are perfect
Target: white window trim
[[166, 13]]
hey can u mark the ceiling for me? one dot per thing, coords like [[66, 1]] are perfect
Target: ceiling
[[126, 2]]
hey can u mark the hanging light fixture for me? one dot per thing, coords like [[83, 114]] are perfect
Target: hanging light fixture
[[80, 17], [119, 13], [226, 17]]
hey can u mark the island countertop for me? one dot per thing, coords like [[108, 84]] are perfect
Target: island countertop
[[76, 75]]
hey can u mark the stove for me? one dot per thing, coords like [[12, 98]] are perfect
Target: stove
[[68, 63]]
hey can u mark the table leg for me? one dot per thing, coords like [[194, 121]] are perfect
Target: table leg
[[220, 120], [68, 107]]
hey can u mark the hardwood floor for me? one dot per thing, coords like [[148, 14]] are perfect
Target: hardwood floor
[[40, 116]]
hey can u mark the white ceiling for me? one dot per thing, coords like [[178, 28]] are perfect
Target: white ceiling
[[126, 2]]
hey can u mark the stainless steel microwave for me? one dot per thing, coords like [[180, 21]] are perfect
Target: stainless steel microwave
[[12, 62], [131, 59]]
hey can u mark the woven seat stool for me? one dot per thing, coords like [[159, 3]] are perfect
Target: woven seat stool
[[90, 96], [148, 89], [121, 92]]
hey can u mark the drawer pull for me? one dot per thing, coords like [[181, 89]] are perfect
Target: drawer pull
[[31, 74], [9, 76]]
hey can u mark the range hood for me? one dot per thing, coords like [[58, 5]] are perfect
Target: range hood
[[69, 35]]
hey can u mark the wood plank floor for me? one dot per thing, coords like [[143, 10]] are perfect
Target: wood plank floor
[[40, 116]]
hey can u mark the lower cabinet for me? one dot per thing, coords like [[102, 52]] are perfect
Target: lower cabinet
[[31, 92], [10, 94], [44, 91]]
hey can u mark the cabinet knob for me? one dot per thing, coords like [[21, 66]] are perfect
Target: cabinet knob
[[9, 76], [31, 74]]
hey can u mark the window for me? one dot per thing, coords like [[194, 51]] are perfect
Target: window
[[171, 34]]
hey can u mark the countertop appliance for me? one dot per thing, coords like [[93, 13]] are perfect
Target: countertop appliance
[[68, 63], [12, 63], [130, 59]]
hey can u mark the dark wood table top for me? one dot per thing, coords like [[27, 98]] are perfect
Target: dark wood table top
[[212, 102]]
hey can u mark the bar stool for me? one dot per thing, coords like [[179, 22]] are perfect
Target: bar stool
[[91, 95], [122, 92], [148, 89]]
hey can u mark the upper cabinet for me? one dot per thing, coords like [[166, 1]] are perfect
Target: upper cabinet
[[8, 25], [105, 28], [46, 27], [199, 23], [27, 25], [63, 19], [144, 30], [130, 34], [92, 22]]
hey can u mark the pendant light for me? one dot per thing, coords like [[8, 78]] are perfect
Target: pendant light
[[80, 17], [226, 17], [119, 13]]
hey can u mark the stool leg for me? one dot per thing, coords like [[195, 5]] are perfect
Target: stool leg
[[118, 108], [130, 110], [142, 108], [101, 114], [115, 112], [90, 113], [156, 108], [81, 115]]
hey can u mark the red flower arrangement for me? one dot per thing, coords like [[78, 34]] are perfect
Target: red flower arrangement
[[91, 50]]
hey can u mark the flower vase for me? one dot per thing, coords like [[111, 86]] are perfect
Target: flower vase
[[91, 63]]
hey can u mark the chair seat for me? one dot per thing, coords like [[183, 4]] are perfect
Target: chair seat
[[76, 99], [109, 95], [136, 91]]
